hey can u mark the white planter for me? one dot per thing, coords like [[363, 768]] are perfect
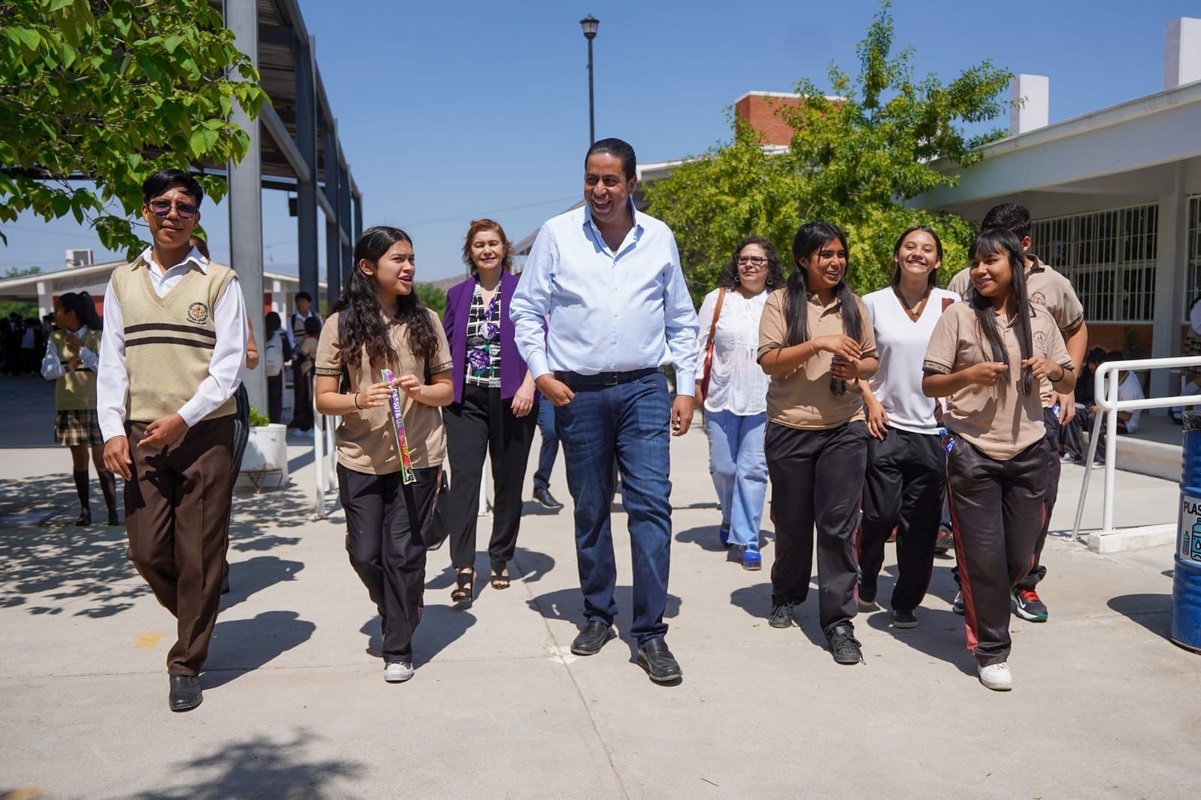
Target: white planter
[[265, 463]]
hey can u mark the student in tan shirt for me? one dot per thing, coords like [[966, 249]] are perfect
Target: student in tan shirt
[[378, 323], [816, 342], [987, 356]]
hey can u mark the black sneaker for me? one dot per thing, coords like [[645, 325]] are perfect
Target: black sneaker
[[904, 619], [781, 616], [547, 500], [844, 645]]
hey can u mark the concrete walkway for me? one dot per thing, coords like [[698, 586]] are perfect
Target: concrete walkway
[[296, 706]]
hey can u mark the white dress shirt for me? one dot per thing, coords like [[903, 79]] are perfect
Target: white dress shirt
[[605, 311], [53, 368], [229, 352]]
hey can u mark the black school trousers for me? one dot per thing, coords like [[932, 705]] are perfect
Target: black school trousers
[[906, 475], [386, 521], [996, 514], [817, 482]]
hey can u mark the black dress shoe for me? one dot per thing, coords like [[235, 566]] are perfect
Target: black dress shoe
[[185, 692], [594, 636], [658, 662], [546, 499]]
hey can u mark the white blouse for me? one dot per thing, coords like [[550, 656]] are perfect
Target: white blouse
[[737, 383]]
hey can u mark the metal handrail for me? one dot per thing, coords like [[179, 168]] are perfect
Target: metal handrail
[[1106, 384], [325, 458]]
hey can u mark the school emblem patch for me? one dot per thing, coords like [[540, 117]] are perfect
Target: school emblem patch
[[1040, 342], [198, 313], [1039, 297]]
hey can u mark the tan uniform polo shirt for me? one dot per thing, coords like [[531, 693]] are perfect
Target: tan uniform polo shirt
[[1000, 420], [802, 398], [366, 442], [1047, 288]]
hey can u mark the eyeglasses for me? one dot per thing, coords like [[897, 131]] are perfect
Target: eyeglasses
[[162, 208], [754, 261]]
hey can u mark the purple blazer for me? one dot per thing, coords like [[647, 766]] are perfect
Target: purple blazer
[[458, 309]]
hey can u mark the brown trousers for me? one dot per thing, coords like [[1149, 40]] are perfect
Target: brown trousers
[[177, 519]]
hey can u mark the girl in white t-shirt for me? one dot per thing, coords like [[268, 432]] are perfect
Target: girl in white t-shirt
[[906, 464], [735, 398]]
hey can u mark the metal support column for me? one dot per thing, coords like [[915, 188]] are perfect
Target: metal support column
[[345, 223], [333, 244], [306, 194], [245, 196]]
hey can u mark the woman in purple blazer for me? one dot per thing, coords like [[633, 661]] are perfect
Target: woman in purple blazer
[[491, 412]]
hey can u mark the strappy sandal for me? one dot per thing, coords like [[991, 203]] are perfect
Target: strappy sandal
[[498, 580], [462, 595]]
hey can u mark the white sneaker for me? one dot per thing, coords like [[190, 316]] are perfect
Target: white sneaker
[[996, 676], [398, 672]]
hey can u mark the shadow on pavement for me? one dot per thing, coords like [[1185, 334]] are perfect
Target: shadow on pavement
[[532, 566], [244, 645], [568, 604], [256, 574], [1152, 611], [705, 537], [440, 626], [258, 767], [939, 635]]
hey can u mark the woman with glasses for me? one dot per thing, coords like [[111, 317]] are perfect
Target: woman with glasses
[[733, 390], [491, 412], [906, 464]]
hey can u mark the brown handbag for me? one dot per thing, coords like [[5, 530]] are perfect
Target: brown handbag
[[708, 368]]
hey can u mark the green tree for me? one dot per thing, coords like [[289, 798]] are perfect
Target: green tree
[[106, 92], [432, 297], [26, 310], [854, 159]]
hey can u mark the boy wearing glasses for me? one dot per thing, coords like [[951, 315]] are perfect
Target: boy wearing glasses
[[173, 345]]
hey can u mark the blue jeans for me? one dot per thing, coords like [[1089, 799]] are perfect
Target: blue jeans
[[628, 422], [739, 471], [550, 443]]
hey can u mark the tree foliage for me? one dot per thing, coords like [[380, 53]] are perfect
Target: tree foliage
[[108, 92], [432, 297], [854, 159]]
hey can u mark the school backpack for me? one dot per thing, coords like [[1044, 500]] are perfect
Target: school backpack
[[273, 357]]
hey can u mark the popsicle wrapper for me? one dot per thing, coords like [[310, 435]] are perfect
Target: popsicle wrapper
[[398, 428]]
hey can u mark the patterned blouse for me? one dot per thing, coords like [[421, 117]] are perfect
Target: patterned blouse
[[483, 340]]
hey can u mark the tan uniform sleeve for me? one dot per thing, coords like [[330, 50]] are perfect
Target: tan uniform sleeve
[[1057, 350], [944, 343], [867, 338], [441, 360], [329, 349], [1065, 306], [773, 325]]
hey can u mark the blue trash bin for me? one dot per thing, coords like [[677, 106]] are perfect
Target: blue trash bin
[[1186, 581]]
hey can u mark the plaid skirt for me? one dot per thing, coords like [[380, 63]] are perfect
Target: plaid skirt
[[1191, 347], [77, 427]]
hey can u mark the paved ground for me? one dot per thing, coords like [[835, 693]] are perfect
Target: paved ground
[[295, 704]]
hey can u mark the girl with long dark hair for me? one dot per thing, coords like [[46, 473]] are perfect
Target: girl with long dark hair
[[380, 323], [986, 357], [72, 354], [816, 342], [906, 465], [734, 397]]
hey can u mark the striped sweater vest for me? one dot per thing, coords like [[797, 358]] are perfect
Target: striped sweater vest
[[75, 391], [169, 341]]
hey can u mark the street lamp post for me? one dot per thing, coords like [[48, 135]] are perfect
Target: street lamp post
[[589, 24]]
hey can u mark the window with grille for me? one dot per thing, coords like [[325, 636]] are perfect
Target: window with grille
[[1192, 275], [1109, 256]]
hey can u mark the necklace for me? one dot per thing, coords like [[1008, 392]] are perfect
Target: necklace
[[914, 311]]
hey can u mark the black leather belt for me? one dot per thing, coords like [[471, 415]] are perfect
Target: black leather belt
[[575, 379]]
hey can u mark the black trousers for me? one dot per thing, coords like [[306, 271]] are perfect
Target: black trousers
[[275, 397], [816, 479], [385, 529], [906, 475], [996, 514], [302, 400], [1037, 570], [484, 424], [177, 520]]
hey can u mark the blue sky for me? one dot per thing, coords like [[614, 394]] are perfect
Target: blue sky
[[455, 110]]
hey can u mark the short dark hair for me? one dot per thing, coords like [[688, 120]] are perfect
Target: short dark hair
[[729, 273], [312, 325], [1010, 216], [619, 148], [165, 179], [303, 296]]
